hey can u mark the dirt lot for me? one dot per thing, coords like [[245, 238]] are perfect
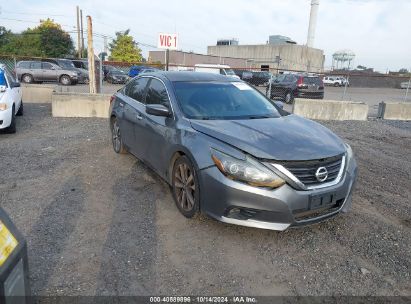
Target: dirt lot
[[98, 223]]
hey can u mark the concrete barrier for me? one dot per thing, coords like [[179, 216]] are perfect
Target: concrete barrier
[[37, 93], [80, 105], [330, 109], [395, 110]]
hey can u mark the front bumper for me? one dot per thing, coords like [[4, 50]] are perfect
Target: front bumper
[[237, 203], [5, 118]]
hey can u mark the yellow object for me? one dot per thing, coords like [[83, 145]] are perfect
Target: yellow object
[[7, 243]]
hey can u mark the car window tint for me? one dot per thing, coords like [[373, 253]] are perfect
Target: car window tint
[[35, 65], [156, 93], [136, 90]]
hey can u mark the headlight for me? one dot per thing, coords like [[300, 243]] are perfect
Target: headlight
[[3, 106], [249, 170]]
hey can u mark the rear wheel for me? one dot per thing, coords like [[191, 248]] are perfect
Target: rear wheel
[[185, 187], [336, 84], [116, 138], [27, 78]]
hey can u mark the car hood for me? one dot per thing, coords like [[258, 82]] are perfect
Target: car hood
[[285, 138]]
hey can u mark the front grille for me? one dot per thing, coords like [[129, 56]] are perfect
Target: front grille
[[305, 170]]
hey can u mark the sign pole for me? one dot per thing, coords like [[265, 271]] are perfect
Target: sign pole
[[167, 58]]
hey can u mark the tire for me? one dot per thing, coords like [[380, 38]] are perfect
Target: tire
[[65, 80], [27, 78], [12, 128], [185, 187], [288, 97], [20, 112], [116, 138]]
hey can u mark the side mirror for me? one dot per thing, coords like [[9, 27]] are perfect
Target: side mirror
[[157, 110], [52, 68], [3, 88], [15, 84]]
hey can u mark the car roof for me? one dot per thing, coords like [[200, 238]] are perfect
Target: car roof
[[176, 76]]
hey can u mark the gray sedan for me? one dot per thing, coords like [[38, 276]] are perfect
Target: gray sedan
[[231, 153]]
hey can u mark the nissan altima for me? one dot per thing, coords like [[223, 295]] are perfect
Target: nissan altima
[[231, 153]]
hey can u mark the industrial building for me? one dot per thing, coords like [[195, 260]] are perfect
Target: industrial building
[[279, 53], [189, 59]]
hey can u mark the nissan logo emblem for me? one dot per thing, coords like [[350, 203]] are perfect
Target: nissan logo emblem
[[321, 174]]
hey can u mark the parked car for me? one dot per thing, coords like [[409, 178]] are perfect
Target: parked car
[[229, 152], [149, 70], [37, 71], [67, 64], [136, 69], [244, 74], [289, 86], [260, 78], [116, 76], [336, 81], [215, 69], [80, 64], [11, 103], [405, 84]]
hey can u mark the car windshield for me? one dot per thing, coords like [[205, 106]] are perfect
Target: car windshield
[[222, 101], [66, 64]]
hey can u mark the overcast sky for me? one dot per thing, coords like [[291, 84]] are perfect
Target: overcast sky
[[377, 31]]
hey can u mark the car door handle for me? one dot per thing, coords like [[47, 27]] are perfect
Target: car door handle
[[121, 104], [139, 117]]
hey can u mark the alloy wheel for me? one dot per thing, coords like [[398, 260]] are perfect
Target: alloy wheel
[[184, 187]]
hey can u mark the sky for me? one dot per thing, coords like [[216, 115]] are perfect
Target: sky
[[377, 31]]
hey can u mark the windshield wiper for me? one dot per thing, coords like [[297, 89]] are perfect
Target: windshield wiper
[[259, 117]]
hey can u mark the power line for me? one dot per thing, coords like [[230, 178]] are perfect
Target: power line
[[36, 22]]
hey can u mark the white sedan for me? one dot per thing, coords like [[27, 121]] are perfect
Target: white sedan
[[11, 104]]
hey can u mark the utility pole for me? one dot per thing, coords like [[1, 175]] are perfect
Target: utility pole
[[105, 45], [81, 32], [90, 56], [78, 32]]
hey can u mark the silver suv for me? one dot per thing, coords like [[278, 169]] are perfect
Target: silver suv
[[37, 71]]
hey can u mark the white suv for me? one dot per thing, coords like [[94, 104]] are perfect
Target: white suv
[[11, 103], [337, 81]]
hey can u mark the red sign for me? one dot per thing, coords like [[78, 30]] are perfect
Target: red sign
[[167, 41]]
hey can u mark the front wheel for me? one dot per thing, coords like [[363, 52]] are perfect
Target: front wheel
[[288, 98], [21, 110], [65, 80], [12, 127], [185, 187], [116, 138]]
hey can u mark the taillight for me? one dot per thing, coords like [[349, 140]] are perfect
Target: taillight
[[300, 83], [112, 99]]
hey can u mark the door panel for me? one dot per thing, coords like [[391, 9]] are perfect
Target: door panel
[[48, 73], [157, 130]]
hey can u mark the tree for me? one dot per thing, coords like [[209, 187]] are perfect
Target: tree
[[403, 71], [5, 35], [46, 40], [124, 48]]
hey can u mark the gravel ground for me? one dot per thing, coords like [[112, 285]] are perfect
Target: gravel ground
[[98, 223]]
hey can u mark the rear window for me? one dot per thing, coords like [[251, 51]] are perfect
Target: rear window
[[24, 64], [312, 80]]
